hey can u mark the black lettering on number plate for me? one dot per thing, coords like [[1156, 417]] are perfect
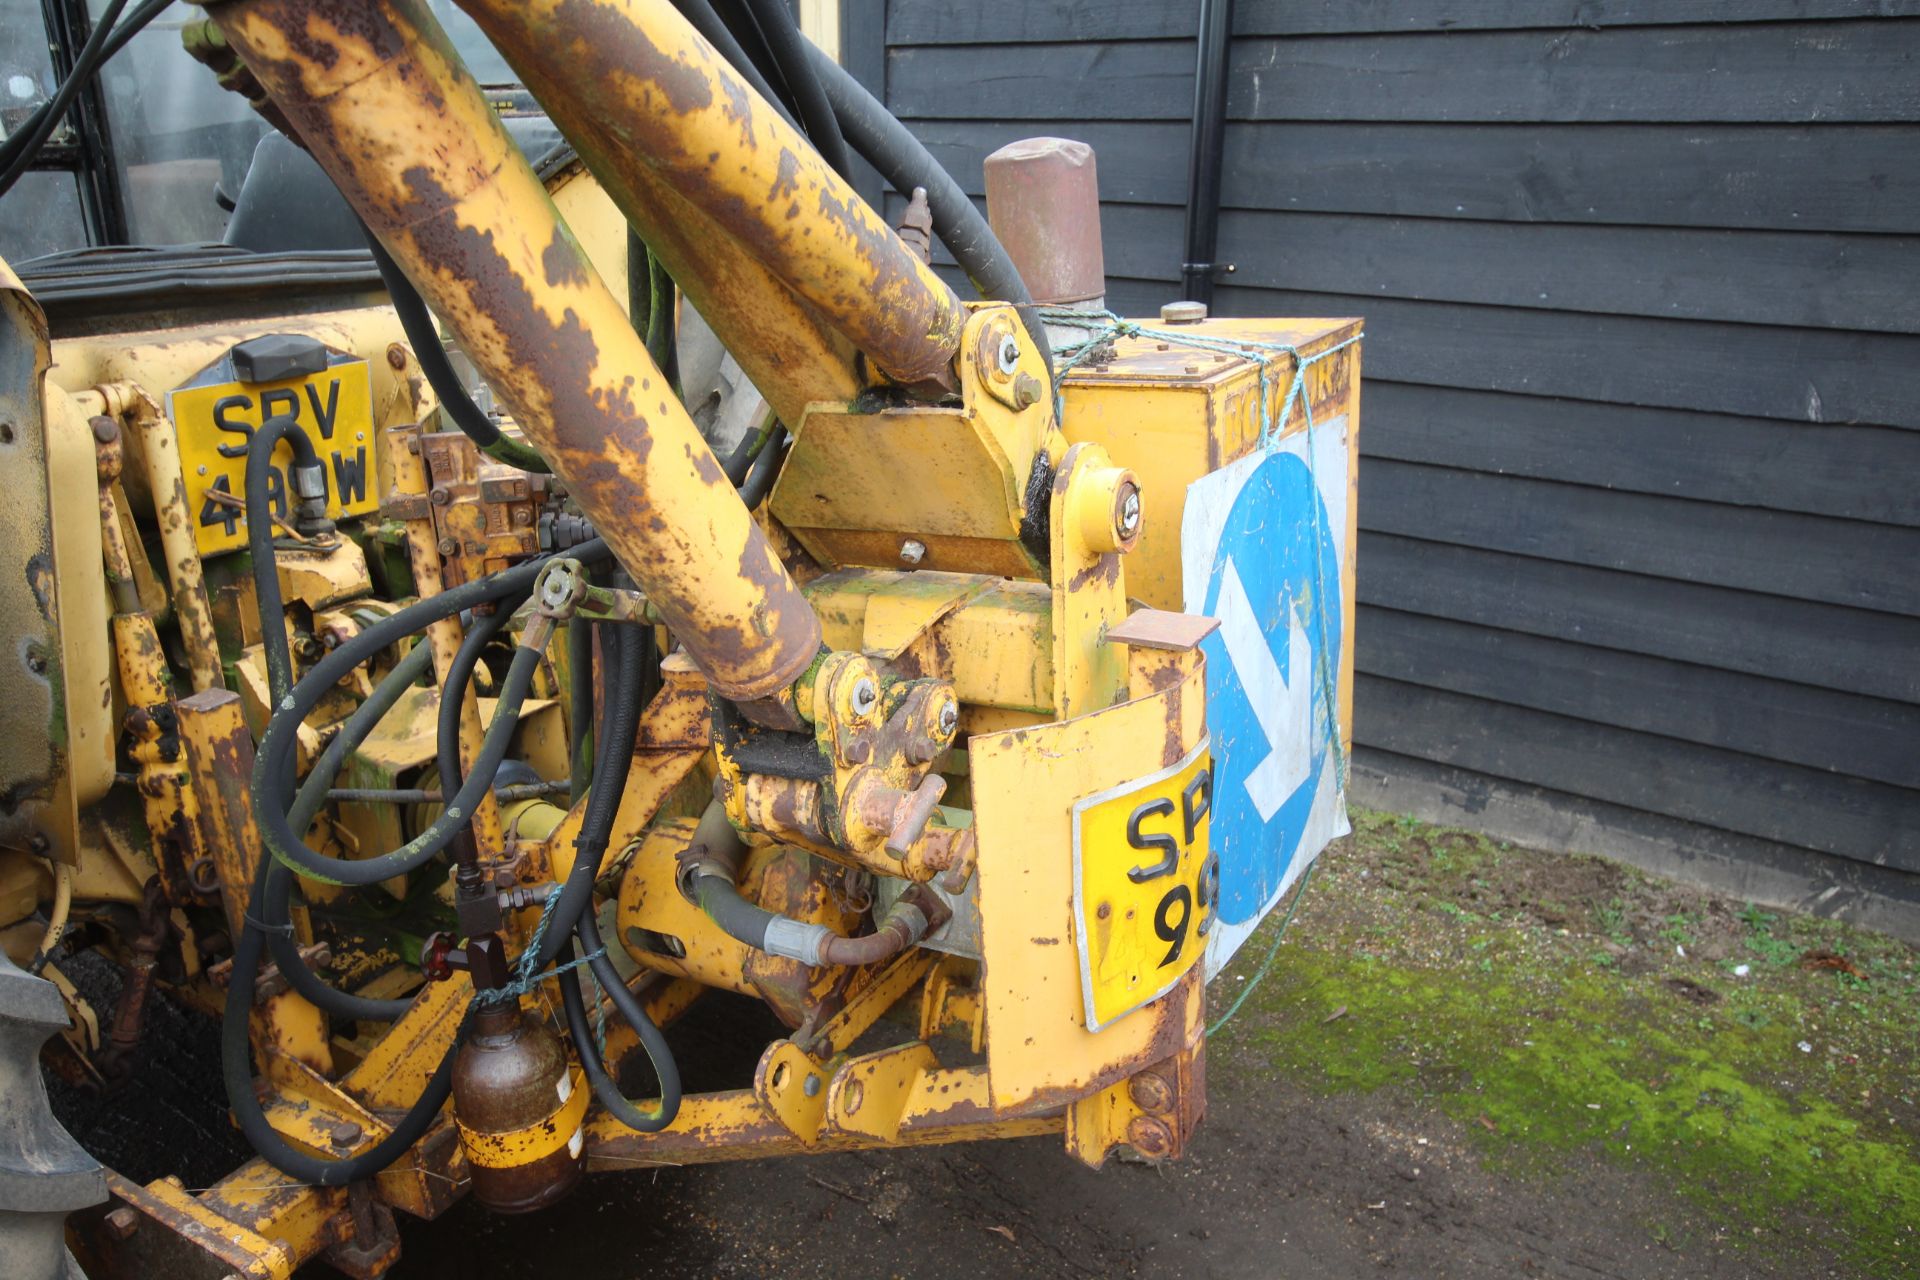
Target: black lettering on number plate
[[1169, 851], [214, 512], [1166, 929]]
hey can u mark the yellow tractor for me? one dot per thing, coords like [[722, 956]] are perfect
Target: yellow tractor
[[448, 678]]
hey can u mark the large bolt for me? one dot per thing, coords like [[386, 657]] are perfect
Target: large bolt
[[1129, 511], [122, 1223], [1150, 1137], [949, 716], [865, 696], [1151, 1092], [1026, 390], [811, 1086], [440, 496], [913, 551], [1009, 354], [106, 431]]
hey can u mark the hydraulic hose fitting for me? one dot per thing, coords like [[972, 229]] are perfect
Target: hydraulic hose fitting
[[309, 479]]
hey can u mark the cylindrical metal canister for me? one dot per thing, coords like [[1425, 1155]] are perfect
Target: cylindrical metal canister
[[1043, 200], [520, 1110]]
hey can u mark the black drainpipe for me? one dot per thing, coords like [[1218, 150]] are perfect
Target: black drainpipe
[[1209, 140]]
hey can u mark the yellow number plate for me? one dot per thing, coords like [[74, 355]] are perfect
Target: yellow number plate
[[1142, 886], [217, 421]]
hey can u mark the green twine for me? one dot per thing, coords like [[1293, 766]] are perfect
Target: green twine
[[1260, 974], [1102, 329], [525, 976]]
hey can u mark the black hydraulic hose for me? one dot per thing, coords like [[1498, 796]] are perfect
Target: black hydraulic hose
[[417, 322], [621, 658], [266, 577], [275, 762], [904, 161], [276, 755], [453, 690], [278, 893], [766, 467], [716, 33], [575, 908], [236, 1070], [790, 52], [628, 1005], [580, 706], [271, 768]]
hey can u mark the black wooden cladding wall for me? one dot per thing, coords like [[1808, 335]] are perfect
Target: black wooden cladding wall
[[1640, 502]]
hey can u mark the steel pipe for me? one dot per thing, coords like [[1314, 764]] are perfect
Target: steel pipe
[[381, 100], [634, 85]]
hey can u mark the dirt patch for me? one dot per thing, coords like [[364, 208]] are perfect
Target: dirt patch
[[1467, 1060]]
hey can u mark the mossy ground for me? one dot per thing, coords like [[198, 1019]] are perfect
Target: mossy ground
[[1759, 1063]]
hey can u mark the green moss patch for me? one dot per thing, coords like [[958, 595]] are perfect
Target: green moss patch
[[1762, 1064]]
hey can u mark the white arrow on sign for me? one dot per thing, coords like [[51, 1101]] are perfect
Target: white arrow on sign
[[1283, 709]]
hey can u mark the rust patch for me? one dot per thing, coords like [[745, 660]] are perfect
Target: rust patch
[[786, 181], [561, 261], [612, 47]]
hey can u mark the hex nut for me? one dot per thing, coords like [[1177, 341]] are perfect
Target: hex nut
[[122, 1223], [913, 551]]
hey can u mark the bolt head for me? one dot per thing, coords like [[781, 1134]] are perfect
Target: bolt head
[[439, 497], [1009, 354], [913, 551], [1186, 312], [122, 1223], [949, 716], [1150, 1137], [865, 696], [811, 1086], [1130, 511], [396, 356]]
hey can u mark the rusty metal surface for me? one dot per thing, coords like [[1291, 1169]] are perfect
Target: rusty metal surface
[[386, 107], [734, 1126], [1043, 200], [486, 513], [787, 351], [671, 102], [36, 798]]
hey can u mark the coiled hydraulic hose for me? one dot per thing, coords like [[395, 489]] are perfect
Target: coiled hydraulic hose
[[271, 779], [417, 322], [625, 654], [236, 1070], [275, 762], [277, 896]]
